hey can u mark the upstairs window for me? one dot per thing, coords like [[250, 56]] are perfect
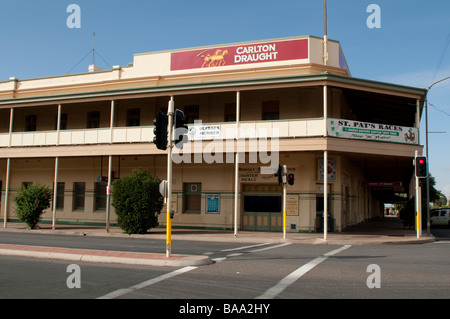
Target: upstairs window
[[192, 113], [30, 123], [270, 110], [93, 119], [133, 117], [230, 112], [63, 122]]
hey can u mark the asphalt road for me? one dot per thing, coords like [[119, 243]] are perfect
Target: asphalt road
[[241, 271]]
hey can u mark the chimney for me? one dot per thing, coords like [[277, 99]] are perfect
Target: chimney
[[94, 68]]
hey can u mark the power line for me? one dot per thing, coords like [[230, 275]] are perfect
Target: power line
[[438, 109], [441, 58]]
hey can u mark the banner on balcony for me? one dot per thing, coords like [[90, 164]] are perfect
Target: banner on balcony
[[203, 132], [372, 131], [240, 54]]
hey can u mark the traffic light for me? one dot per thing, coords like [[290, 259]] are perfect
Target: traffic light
[[290, 179], [160, 131], [421, 167], [181, 129], [279, 174]]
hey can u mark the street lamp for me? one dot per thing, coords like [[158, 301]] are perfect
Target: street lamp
[[426, 150]]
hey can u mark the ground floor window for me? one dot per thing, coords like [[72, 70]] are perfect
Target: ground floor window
[[262, 203], [60, 195], [100, 196], [79, 192], [192, 197]]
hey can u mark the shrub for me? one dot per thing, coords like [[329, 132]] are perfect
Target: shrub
[[31, 202], [137, 202]]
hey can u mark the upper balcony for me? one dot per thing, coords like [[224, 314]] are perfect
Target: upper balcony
[[285, 113]]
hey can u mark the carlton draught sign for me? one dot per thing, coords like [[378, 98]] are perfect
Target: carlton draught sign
[[240, 54]]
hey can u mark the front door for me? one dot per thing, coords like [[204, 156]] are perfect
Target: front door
[[262, 212]]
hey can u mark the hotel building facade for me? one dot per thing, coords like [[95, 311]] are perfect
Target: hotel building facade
[[283, 98]]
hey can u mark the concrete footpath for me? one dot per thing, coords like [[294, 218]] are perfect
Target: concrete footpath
[[389, 230]]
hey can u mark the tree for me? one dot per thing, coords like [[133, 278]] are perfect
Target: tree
[[137, 202], [31, 202]]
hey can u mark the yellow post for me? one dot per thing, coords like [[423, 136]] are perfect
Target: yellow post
[[168, 230]]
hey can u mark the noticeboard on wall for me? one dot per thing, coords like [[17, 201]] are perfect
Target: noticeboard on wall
[[212, 204]]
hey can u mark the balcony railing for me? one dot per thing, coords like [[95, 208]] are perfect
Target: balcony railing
[[211, 131], [142, 134]]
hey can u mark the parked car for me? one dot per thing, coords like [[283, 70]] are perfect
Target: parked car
[[440, 216]]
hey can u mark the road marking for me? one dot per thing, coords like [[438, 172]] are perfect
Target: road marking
[[121, 292], [250, 251], [296, 274], [245, 247], [271, 247]]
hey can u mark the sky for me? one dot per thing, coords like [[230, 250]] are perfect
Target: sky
[[409, 47]]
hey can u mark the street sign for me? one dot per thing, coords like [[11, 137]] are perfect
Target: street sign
[[163, 188]]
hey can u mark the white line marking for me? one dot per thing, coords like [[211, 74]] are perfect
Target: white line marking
[[121, 292], [296, 274], [245, 247], [271, 247]]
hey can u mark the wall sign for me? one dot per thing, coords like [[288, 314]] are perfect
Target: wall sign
[[372, 131], [212, 203], [240, 54]]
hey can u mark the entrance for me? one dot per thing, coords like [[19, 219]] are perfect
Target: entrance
[[262, 210]]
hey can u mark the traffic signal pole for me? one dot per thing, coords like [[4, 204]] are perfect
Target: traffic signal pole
[[418, 220], [170, 113]]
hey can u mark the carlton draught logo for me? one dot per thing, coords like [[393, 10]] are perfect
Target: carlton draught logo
[[216, 59], [240, 54]]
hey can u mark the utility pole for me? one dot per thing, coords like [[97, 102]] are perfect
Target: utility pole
[[426, 152]]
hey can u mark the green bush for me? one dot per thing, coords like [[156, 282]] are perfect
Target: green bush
[[31, 202], [137, 202]]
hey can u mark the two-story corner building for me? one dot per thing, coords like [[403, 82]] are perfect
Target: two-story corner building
[[273, 102]]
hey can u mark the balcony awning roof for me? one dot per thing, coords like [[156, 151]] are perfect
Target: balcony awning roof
[[349, 83]]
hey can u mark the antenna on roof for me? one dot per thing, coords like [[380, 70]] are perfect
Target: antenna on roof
[[93, 49], [92, 67], [325, 35]]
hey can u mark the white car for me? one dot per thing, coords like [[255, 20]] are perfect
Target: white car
[[440, 216]]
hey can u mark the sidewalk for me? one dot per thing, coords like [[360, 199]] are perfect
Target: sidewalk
[[386, 231]]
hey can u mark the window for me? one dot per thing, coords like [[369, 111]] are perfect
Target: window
[[60, 196], [30, 123], [63, 122], [100, 195], [192, 113], [94, 119], [262, 203], [192, 197], [26, 184], [79, 190], [230, 112], [270, 110], [134, 117]]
